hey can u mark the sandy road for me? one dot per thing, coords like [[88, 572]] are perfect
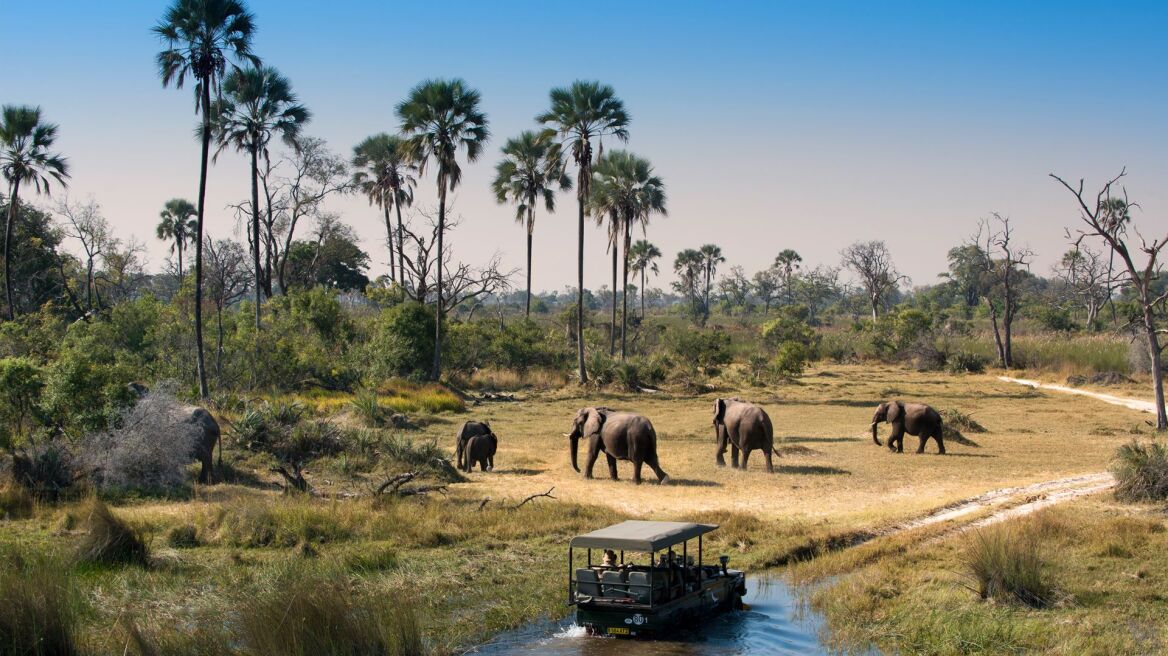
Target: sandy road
[[1133, 404]]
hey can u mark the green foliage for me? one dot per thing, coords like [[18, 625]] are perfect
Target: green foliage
[[1141, 471], [402, 343], [790, 359], [705, 352], [1008, 566], [46, 469], [21, 382], [966, 362], [1057, 319]]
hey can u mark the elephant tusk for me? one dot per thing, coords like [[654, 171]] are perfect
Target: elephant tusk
[[566, 434]]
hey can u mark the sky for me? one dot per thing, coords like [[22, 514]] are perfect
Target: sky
[[804, 125]]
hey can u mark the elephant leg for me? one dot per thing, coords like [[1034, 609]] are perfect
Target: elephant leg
[[940, 442], [745, 456], [637, 471], [491, 462], [734, 455], [662, 477], [896, 440], [720, 451], [770, 465], [593, 454], [924, 438], [611, 467], [483, 464], [205, 468]]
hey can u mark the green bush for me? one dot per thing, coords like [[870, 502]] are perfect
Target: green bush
[[1141, 471], [790, 359], [1057, 319], [966, 362], [21, 383], [402, 343], [705, 352]]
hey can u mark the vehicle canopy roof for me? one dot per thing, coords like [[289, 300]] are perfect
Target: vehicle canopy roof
[[638, 535]]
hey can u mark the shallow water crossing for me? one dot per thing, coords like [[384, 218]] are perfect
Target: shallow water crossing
[[778, 622]]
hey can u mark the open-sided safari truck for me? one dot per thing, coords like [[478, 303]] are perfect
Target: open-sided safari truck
[[618, 596]]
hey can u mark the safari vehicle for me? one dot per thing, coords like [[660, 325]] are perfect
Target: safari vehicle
[[641, 600]]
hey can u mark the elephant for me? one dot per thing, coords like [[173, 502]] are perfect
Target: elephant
[[620, 436], [209, 432], [480, 450], [744, 426], [469, 429], [912, 418]]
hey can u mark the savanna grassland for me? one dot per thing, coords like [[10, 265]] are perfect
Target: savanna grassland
[[458, 564]]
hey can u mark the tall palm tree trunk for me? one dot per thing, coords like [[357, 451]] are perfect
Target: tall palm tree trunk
[[642, 294], [625, 290], [200, 362], [436, 370], [389, 242], [255, 233], [612, 322], [582, 186], [179, 248], [8, 226], [401, 258], [530, 229]]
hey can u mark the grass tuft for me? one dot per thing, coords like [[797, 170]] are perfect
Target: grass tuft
[[15, 502], [109, 540], [183, 536], [308, 612], [1141, 471], [40, 607], [1008, 566]]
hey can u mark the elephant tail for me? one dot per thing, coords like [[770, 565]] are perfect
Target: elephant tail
[[776, 450]]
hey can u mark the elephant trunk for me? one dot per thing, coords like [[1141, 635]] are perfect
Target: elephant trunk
[[575, 448], [874, 438]]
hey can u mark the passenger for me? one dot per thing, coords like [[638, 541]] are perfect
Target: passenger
[[609, 558]]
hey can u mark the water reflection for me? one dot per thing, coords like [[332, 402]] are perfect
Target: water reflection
[[778, 622]]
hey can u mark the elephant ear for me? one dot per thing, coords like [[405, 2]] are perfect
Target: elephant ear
[[895, 410], [595, 422], [719, 410]]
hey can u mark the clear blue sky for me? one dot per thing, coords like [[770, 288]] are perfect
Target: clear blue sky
[[775, 124]]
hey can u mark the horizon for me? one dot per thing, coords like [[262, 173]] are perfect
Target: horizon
[[865, 124]]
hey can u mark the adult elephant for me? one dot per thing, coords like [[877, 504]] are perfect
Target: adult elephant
[[912, 418], [620, 436], [742, 426], [469, 430], [480, 450], [208, 432]]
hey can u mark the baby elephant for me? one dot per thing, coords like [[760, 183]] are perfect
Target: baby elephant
[[469, 429], [912, 418], [480, 450], [743, 426]]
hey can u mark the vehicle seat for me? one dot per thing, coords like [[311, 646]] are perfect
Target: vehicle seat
[[639, 587], [587, 582], [613, 584]]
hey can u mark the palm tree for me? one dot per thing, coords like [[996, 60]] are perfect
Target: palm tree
[[711, 257], [441, 117], [688, 265], [787, 261], [25, 159], [178, 224], [385, 173], [258, 103], [607, 204], [532, 166], [642, 256], [581, 113], [199, 36], [624, 185]]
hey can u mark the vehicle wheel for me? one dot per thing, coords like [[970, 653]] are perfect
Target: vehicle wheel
[[735, 602]]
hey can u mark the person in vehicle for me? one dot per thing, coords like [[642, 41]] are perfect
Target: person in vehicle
[[609, 558]]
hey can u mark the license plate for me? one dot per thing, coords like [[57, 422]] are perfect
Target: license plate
[[617, 630]]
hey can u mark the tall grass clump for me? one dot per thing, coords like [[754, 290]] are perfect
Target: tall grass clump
[[109, 540], [1141, 471], [40, 607], [310, 613], [1008, 566], [15, 502]]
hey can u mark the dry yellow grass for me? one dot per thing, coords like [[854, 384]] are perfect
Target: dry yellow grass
[[831, 474]]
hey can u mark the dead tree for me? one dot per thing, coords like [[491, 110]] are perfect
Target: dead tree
[[1002, 262], [1087, 277], [461, 282], [872, 261], [1108, 218]]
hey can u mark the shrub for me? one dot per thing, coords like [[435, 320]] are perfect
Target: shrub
[[706, 352], [308, 613], [149, 449], [368, 407], [21, 382], [425, 456], [41, 607], [1057, 319], [1141, 471], [966, 362], [402, 343], [954, 418], [45, 469], [109, 540], [1008, 566], [790, 359], [15, 502]]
